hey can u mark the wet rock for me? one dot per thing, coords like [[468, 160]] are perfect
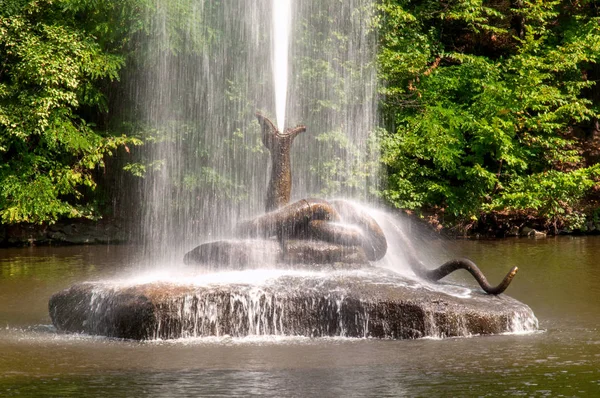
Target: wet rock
[[526, 231], [366, 303], [532, 233], [86, 233], [25, 235], [513, 231], [590, 226], [63, 233]]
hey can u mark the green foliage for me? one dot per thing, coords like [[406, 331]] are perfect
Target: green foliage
[[52, 65], [481, 103], [553, 193], [346, 168], [334, 84]]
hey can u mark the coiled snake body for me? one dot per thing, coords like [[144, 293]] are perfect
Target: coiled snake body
[[320, 220]]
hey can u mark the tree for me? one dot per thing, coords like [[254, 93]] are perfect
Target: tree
[[482, 105], [55, 58]]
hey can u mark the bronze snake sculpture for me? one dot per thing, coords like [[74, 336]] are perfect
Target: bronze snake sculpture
[[463, 263], [319, 219], [279, 145], [448, 267]]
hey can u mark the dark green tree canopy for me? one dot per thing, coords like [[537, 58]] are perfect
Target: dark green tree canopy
[[56, 56], [489, 106]]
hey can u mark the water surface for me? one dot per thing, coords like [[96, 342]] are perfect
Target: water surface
[[557, 278]]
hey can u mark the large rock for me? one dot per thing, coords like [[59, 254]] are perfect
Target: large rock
[[360, 303]]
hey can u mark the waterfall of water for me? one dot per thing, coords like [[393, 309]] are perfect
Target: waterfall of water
[[202, 73]]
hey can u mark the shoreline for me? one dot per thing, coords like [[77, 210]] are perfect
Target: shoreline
[[115, 232], [65, 233]]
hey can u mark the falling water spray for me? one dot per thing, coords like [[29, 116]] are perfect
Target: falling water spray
[[234, 58], [282, 18]]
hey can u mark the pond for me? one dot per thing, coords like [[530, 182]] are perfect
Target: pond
[[558, 278]]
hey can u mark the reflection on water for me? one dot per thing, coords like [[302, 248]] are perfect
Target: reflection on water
[[557, 278]]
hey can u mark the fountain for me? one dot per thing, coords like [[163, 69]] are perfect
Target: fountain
[[307, 267], [347, 297]]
